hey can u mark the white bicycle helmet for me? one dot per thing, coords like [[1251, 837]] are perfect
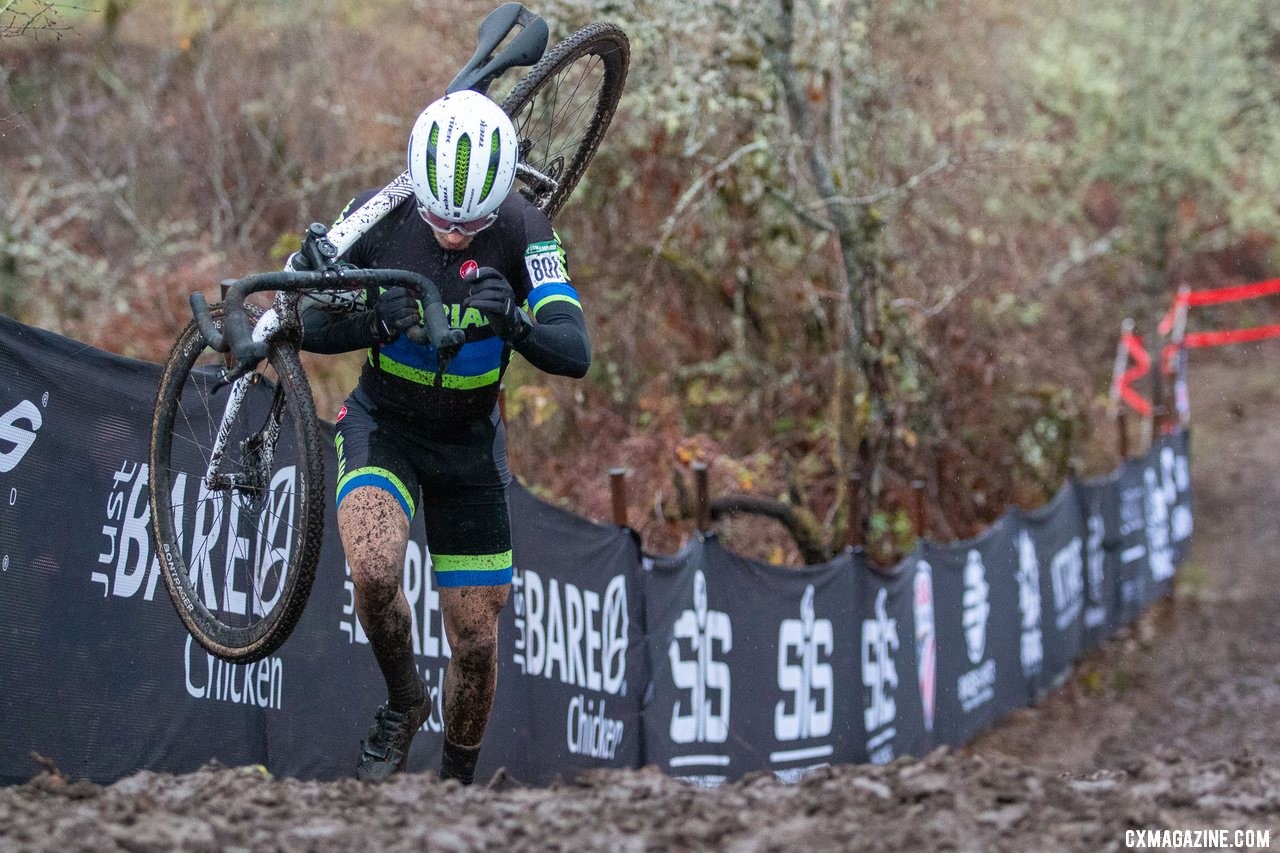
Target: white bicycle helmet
[[462, 160]]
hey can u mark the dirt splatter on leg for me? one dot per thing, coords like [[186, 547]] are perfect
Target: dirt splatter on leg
[[374, 532], [471, 624]]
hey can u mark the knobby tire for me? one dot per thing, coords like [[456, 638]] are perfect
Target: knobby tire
[[232, 643], [609, 44]]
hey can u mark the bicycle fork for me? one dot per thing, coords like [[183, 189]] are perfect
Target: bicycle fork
[[260, 447]]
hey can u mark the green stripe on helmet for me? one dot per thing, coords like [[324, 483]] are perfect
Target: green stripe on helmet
[[431, 158], [460, 170], [495, 154]]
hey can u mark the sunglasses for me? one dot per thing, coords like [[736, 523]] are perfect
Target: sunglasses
[[469, 228]]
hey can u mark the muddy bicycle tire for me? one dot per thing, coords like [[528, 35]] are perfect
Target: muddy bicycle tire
[[239, 606], [558, 138]]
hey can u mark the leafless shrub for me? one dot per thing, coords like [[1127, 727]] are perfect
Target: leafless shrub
[[33, 18]]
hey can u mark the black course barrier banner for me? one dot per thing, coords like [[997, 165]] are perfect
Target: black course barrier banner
[[704, 662], [1051, 589], [99, 674], [977, 621], [576, 626], [754, 666]]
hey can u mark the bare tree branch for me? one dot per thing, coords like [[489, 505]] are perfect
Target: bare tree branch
[[32, 17], [691, 192], [944, 163]]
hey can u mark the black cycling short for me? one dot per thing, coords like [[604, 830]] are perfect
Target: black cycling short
[[459, 470]]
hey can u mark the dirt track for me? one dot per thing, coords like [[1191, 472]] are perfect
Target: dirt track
[[1169, 727]]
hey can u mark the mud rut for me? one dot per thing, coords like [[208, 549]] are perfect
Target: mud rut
[[1172, 725]]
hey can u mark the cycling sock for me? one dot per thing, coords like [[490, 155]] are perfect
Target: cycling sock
[[388, 632], [459, 762], [407, 690]]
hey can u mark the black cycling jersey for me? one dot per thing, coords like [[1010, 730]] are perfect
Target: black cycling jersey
[[401, 376]]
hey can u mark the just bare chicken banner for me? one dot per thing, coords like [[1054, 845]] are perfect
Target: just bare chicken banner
[[705, 663], [98, 674]]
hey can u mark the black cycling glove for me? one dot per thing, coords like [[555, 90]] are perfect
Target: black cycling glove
[[491, 295], [397, 310]]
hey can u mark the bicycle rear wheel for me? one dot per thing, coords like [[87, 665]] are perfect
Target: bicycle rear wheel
[[239, 554], [562, 108]]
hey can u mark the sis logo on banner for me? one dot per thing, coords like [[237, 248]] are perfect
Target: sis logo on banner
[[702, 717], [18, 428], [1029, 603], [807, 680], [977, 686], [880, 673]]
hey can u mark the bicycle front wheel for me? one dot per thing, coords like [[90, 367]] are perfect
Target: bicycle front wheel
[[238, 539], [562, 108]]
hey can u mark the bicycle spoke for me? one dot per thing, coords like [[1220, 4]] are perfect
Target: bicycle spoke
[[581, 79]]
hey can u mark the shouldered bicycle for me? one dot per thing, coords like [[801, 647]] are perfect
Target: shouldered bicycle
[[237, 485]]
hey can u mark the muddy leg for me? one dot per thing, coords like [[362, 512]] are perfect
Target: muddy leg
[[374, 531], [471, 624]]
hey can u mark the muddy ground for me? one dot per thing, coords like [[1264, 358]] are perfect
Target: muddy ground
[[1171, 726]]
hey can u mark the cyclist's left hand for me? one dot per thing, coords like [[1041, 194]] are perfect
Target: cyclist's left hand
[[492, 295]]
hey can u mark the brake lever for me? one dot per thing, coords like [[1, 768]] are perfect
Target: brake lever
[[247, 361]]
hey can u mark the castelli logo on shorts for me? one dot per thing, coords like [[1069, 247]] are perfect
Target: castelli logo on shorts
[[342, 413], [469, 268]]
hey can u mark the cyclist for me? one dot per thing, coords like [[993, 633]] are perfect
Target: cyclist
[[419, 427]]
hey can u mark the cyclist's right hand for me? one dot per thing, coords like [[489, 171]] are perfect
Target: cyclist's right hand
[[397, 310]]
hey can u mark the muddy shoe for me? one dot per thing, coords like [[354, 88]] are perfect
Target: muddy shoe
[[386, 749]]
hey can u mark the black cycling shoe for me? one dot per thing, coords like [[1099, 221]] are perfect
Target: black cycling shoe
[[386, 750]]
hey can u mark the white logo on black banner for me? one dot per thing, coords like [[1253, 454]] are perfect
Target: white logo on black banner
[[1096, 613], [227, 568], [1032, 646], [1067, 571], [976, 606], [977, 686], [128, 545], [926, 640], [18, 428], [806, 678], [704, 716], [575, 636], [1159, 552], [880, 673], [1177, 478], [230, 571]]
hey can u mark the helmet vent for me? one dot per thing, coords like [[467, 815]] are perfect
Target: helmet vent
[[431, 159], [495, 155], [460, 170]]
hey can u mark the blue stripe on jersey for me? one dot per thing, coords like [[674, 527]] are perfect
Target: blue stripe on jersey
[[545, 291], [474, 359]]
